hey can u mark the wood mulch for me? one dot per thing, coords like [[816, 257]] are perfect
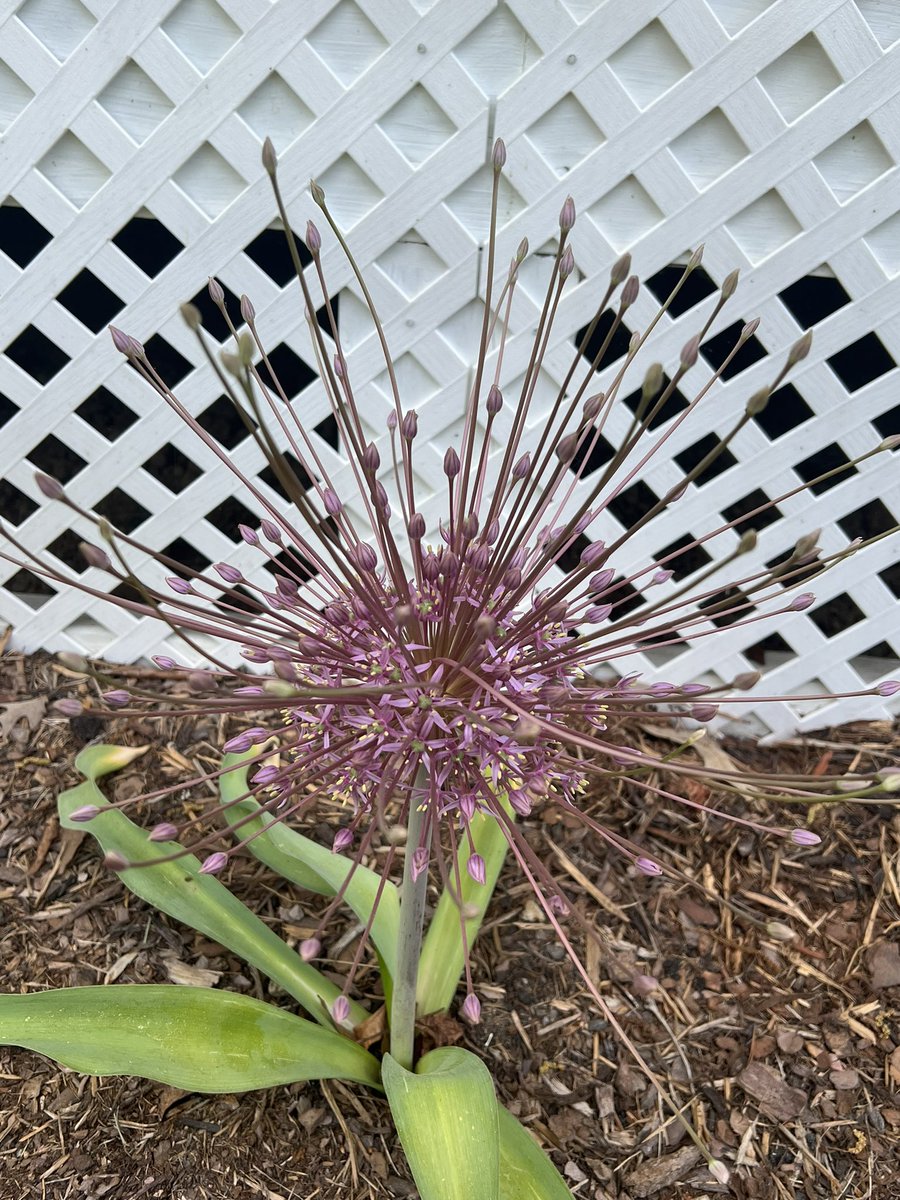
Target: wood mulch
[[785, 1053]]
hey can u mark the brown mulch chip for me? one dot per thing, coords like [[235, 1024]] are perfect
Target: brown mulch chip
[[779, 1042]]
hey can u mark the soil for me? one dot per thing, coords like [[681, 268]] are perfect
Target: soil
[[785, 1053]]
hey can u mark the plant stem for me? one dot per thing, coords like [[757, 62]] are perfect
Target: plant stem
[[409, 938]]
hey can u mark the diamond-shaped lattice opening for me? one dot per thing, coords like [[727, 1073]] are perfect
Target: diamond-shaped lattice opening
[[785, 411], [7, 410], [327, 430], [22, 237], [867, 521], [890, 577], [861, 362], [471, 203], [65, 548], [717, 349], [734, 15], [884, 242], [695, 288], [173, 469], [813, 298], [624, 597], [56, 458], [15, 506], [73, 170], [649, 64], [292, 564], [688, 557], [829, 458], [708, 149], [726, 606], [300, 473], [134, 101], [347, 42], [853, 161], [121, 510], [411, 264], [872, 663], [14, 95], [350, 192], [770, 651], [888, 424], [414, 382], [800, 78], [618, 342], [270, 253], [625, 214], [167, 361], [633, 503], [595, 452], [275, 110], [497, 52], [106, 413], [812, 688], [210, 181], [565, 134], [692, 456], [148, 243], [186, 554], [227, 516], [763, 226], [211, 316], [291, 372], [202, 32], [31, 589], [60, 26], [222, 421], [417, 125], [883, 18], [35, 353], [569, 559], [90, 300], [673, 404], [739, 511], [836, 615]]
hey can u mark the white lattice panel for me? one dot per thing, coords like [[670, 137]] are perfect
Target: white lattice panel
[[768, 130]]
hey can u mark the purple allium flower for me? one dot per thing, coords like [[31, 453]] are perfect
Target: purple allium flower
[[471, 1008]]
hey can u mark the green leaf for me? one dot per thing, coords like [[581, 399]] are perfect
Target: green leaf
[[192, 1038], [442, 959], [96, 761], [201, 902], [312, 866], [526, 1173], [446, 1118]]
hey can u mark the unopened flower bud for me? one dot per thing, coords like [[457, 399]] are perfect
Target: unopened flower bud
[[567, 263], [471, 1009], [592, 553], [165, 831], [597, 613], [567, 447], [601, 581], [229, 573], [270, 531], [630, 291], [409, 426], [342, 839], [746, 680], [371, 459], [248, 312], [748, 541], [310, 948], [779, 931], [419, 861], [470, 526], [50, 487], [620, 268], [522, 467], [94, 556], [689, 352], [757, 402], [804, 837], [317, 192], [729, 284], [190, 314], [340, 1010], [269, 157], [522, 250], [748, 331], [117, 698], [87, 812], [647, 866], [121, 341], [567, 215], [68, 707], [416, 526], [804, 600], [216, 292], [114, 861], [888, 687], [696, 259], [476, 868], [498, 155], [494, 401], [313, 239], [800, 349], [214, 863]]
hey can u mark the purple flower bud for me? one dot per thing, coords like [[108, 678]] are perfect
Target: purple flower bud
[[520, 802], [630, 291], [117, 697], [392, 420], [114, 861], [68, 707], [597, 613], [704, 712], [381, 498], [313, 239], [216, 292], [249, 535], [214, 863], [248, 312], [888, 687], [449, 565], [94, 556], [522, 467], [238, 744], [567, 215], [804, 600], [590, 554], [661, 576], [498, 155], [512, 578], [51, 487], [371, 459], [566, 263], [494, 401], [416, 527], [164, 832], [475, 868], [746, 680], [451, 463], [479, 559], [409, 426], [228, 573], [804, 837], [566, 447], [470, 526], [430, 567], [471, 1009], [121, 341], [364, 557], [419, 861], [342, 839], [340, 1010], [601, 581], [164, 662], [270, 531], [87, 812], [647, 866], [181, 586], [689, 352], [662, 689], [309, 949], [332, 502], [592, 406]]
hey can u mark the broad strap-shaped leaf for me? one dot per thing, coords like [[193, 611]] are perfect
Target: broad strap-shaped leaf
[[441, 961], [197, 1039], [526, 1173], [312, 866], [201, 902], [446, 1117]]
